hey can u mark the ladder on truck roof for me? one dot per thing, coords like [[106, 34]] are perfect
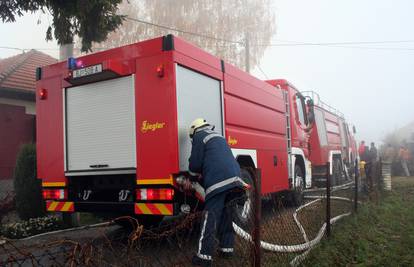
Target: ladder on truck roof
[[318, 102]]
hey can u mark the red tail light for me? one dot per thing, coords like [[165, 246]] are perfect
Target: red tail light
[[42, 94], [155, 194], [54, 194], [160, 71]]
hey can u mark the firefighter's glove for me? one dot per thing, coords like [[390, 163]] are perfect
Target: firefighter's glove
[[194, 177]]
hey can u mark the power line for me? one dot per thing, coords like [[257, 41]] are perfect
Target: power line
[[11, 48], [295, 43], [375, 48], [291, 43], [357, 47], [27, 49], [183, 31], [264, 74]]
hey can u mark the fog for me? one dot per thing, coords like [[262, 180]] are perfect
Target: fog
[[372, 87], [369, 83]]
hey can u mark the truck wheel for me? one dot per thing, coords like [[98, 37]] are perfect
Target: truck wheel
[[243, 207], [297, 194]]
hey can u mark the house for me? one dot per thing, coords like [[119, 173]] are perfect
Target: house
[[17, 105]]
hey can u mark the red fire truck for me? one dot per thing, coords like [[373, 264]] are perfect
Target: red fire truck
[[112, 127], [330, 141]]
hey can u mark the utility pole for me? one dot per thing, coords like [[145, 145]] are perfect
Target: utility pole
[[69, 219], [65, 51], [247, 53]]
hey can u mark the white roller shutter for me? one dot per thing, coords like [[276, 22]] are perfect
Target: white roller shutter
[[100, 126], [198, 96]]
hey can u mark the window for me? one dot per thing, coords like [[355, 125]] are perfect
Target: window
[[300, 105]]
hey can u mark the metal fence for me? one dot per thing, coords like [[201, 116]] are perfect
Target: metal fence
[[275, 232]]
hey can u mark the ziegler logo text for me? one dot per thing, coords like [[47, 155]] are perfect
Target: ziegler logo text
[[148, 126], [232, 141]]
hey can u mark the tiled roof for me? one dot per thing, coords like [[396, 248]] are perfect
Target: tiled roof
[[18, 72]]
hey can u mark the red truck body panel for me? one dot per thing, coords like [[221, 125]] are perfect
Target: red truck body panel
[[299, 135], [260, 119], [320, 154], [245, 100]]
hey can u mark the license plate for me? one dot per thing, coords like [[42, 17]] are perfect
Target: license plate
[[87, 71]]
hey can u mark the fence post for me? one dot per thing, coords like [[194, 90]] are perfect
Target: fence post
[[356, 186], [381, 177], [328, 199], [257, 206]]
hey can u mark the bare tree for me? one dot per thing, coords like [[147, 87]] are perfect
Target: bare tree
[[227, 22]]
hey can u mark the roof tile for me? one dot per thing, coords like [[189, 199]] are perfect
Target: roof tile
[[18, 72]]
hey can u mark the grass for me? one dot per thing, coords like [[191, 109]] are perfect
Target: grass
[[379, 235]]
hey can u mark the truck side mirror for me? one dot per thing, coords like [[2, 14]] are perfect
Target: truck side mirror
[[354, 129]]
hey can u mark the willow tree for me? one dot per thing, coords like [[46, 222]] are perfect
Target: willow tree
[[218, 26], [90, 20]]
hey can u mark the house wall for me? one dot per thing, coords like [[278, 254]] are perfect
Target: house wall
[[29, 106], [16, 128]]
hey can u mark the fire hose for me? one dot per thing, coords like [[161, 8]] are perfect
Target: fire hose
[[308, 245]]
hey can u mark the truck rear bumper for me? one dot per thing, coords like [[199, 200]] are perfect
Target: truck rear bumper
[[165, 209]]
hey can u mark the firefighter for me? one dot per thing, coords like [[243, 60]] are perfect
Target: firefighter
[[219, 173]]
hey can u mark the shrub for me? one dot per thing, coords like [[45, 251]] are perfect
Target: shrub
[[27, 187], [6, 205], [31, 227]]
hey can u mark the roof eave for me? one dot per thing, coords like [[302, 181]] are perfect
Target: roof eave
[[19, 94]]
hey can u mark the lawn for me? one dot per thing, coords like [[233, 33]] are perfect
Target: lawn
[[379, 235]]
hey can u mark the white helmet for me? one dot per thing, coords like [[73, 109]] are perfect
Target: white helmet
[[196, 124]]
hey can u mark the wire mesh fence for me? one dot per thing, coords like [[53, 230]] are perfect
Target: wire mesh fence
[[274, 232]]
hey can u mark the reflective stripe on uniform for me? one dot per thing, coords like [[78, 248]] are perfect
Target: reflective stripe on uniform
[[228, 250], [202, 235], [224, 183], [210, 136], [204, 257]]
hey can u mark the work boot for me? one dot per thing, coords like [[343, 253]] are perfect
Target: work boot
[[196, 261]]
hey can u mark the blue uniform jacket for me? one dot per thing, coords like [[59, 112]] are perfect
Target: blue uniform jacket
[[212, 157]]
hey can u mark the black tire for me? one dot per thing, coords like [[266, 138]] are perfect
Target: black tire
[[297, 193], [243, 206]]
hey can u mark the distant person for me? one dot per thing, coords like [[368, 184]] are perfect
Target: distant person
[[365, 154], [373, 153], [389, 153], [361, 149], [410, 144], [404, 156]]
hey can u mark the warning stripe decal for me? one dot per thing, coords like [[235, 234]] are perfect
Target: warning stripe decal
[[53, 184], [168, 180], [60, 206], [154, 208]]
